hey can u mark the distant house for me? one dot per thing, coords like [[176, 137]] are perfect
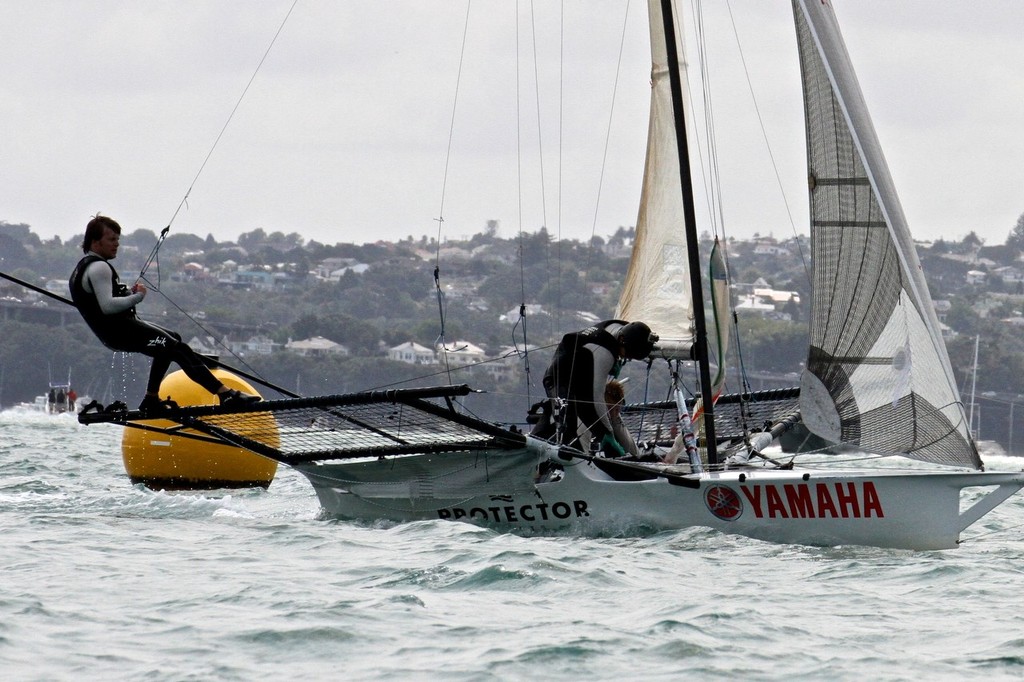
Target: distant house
[[777, 296], [509, 362], [975, 277], [328, 265], [258, 279], [191, 272], [334, 268], [969, 258], [754, 304], [770, 248], [316, 346], [204, 345], [412, 353], [748, 287], [462, 288], [1009, 274], [461, 353], [254, 345]]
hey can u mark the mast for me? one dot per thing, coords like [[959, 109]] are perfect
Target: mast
[[700, 343]]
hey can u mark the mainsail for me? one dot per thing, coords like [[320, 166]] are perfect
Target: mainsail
[[877, 376], [657, 289]]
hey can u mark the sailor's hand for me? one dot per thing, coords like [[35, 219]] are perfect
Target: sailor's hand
[[139, 288]]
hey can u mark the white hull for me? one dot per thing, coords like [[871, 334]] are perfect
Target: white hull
[[918, 510]]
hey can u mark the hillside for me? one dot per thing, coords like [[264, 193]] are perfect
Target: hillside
[[264, 300]]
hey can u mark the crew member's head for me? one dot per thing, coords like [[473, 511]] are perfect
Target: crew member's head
[[102, 236], [636, 340]]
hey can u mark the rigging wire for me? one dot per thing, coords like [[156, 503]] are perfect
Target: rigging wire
[[154, 254], [441, 307], [540, 128], [184, 199], [519, 198], [220, 343], [741, 368], [608, 129], [767, 144], [556, 320], [714, 196], [543, 182], [604, 155]]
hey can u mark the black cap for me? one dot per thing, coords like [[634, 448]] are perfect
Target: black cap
[[637, 339]]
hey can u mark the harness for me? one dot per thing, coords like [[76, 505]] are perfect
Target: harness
[[103, 325], [597, 334]]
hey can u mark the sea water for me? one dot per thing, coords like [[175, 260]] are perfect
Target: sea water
[[101, 579]]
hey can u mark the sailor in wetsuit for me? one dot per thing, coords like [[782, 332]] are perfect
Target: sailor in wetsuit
[[579, 371], [109, 309]]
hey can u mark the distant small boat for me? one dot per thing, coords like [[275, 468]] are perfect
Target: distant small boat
[[59, 398]]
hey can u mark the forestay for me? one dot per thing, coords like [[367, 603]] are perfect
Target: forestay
[[877, 377]]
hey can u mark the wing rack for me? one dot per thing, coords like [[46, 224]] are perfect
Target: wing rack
[[736, 415], [345, 426]]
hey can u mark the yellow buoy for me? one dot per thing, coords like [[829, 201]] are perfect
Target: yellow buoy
[[166, 462]]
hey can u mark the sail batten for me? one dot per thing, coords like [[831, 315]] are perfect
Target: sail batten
[[877, 374]]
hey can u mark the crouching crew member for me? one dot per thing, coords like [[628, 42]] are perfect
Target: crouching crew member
[[579, 371]]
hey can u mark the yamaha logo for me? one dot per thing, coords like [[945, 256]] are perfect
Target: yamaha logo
[[723, 502]]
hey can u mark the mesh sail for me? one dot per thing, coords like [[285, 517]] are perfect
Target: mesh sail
[[877, 375], [657, 286]]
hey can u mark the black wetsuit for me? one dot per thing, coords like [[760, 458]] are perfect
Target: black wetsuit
[[126, 332], [578, 373]]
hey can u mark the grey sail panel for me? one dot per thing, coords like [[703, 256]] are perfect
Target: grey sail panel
[[877, 376]]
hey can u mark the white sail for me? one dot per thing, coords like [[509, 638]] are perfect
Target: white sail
[[657, 286], [877, 374]]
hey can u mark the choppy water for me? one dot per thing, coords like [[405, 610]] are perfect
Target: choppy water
[[105, 580]]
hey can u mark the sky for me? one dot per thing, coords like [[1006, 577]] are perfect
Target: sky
[[351, 130]]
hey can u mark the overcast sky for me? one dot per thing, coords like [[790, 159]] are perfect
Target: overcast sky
[[343, 136]]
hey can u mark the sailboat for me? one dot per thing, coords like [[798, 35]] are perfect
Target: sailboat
[[877, 378]]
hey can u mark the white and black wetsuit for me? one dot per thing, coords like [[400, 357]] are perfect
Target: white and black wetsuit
[[578, 373], [108, 307]]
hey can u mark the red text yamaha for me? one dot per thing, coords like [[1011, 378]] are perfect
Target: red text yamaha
[[815, 501]]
